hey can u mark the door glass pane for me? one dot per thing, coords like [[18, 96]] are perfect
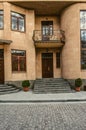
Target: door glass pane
[[51, 30], [47, 27]]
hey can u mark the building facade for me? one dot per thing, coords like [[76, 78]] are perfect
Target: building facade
[[42, 40]]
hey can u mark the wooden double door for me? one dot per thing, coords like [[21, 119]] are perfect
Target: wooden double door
[[47, 65], [1, 66]]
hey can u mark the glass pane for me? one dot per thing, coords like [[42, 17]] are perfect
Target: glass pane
[[14, 23], [83, 59], [14, 63], [44, 31], [1, 21], [21, 25], [22, 62], [1, 12], [83, 35], [83, 39], [16, 15], [51, 30], [83, 19]]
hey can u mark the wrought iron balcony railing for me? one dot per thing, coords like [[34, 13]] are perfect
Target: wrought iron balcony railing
[[55, 36]]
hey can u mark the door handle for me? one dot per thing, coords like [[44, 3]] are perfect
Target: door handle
[[48, 68]]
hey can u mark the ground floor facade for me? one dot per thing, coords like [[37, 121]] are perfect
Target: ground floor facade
[[42, 46]]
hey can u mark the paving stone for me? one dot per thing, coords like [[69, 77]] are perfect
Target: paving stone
[[62, 116]]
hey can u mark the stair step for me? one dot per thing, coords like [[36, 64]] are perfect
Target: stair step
[[51, 86], [8, 92], [5, 89]]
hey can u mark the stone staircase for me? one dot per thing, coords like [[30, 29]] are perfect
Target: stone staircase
[[51, 85], [6, 89]]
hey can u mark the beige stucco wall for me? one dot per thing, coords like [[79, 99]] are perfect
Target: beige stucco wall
[[71, 54], [21, 41], [56, 71], [56, 23]]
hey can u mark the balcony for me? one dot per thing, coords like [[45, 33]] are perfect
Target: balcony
[[55, 39]]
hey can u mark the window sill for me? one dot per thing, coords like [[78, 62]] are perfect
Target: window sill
[[18, 31], [18, 71], [83, 70]]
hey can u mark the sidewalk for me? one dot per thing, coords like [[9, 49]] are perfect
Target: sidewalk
[[31, 97]]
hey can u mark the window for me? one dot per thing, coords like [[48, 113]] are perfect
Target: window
[[1, 19], [58, 60], [18, 60], [18, 22], [83, 38]]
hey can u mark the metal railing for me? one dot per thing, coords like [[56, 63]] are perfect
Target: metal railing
[[55, 36]]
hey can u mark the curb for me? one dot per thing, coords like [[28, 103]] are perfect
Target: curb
[[41, 101]]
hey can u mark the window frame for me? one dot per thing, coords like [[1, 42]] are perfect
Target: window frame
[[18, 58], [3, 19], [17, 30]]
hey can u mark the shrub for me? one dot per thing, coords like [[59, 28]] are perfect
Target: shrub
[[25, 83], [78, 82]]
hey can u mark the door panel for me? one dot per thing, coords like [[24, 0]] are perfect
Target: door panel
[[1, 66], [47, 65]]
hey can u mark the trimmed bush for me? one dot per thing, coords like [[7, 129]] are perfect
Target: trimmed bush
[[25, 83], [78, 82]]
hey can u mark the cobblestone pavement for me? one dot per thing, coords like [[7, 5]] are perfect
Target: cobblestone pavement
[[61, 116]]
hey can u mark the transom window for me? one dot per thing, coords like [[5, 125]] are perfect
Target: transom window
[[18, 22], [83, 38], [18, 60], [1, 19]]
